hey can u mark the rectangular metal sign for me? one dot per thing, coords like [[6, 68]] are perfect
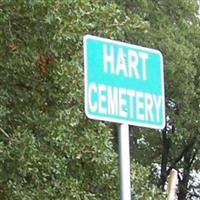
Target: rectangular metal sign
[[124, 83]]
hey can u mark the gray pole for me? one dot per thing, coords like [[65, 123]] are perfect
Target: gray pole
[[124, 152], [171, 187]]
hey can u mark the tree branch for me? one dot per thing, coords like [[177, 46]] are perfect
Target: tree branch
[[4, 133], [184, 151]]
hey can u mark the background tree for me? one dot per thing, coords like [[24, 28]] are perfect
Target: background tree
[[48, 149], [174, 29]]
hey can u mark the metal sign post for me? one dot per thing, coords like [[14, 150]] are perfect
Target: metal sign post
[[124, 152], [124, 83]]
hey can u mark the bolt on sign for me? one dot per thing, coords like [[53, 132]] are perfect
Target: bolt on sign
[[124, 83]]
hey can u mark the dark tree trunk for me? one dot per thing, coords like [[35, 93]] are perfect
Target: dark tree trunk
[[165, 142], [189, 157], [183, 183]]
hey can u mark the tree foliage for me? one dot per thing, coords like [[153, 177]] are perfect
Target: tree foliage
[[174, 29], [48, 148]]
